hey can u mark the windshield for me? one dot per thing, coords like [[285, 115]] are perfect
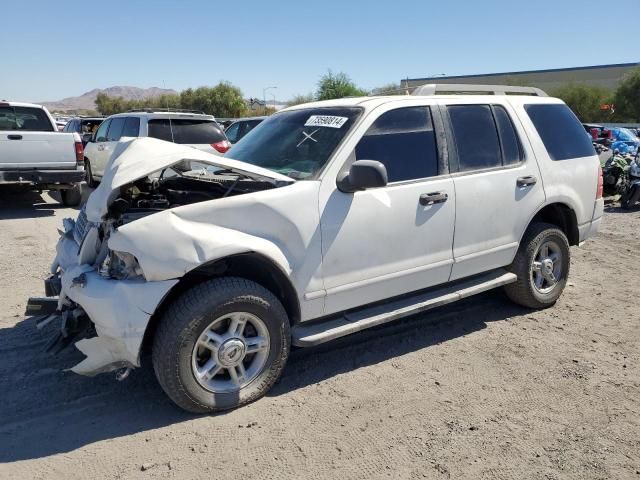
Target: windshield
[[296, 143]]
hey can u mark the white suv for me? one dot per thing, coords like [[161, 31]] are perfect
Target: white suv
[[185, 127], [332, 217]]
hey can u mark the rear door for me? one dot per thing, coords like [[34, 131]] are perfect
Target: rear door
[[497, 183], [28, 139]]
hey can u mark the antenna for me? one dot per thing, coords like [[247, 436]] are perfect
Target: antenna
[[166, 102]]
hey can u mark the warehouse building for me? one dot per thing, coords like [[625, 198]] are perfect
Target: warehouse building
[[608, 76]]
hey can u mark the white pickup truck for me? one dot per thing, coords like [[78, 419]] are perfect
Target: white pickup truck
[[33, 154]]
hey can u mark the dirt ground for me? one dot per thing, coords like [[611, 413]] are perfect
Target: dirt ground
[[481, 389]]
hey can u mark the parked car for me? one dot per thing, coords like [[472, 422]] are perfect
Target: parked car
[[599, 134], [329, 218], [83, 126], [34, 155], [183, 127], [240, 128]]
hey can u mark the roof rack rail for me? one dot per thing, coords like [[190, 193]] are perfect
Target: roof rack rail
[[167, 110], [435, 88]]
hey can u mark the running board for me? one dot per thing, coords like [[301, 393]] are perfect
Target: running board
[[355, 321]]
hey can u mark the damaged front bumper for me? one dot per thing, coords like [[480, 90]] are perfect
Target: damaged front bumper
[[119, 309]]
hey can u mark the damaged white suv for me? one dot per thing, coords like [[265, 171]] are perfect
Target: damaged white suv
[[328, 218]]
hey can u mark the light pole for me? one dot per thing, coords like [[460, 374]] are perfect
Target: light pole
[[264, 97]]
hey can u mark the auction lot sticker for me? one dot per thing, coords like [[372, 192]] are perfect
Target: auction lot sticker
[[325, 121]]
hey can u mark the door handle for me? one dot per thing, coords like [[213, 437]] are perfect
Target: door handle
[[527, 181], [433, 198], [14, 137]]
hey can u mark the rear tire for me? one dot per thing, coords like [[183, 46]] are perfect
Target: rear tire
[[541, 279], [203, 363], [71, 197]]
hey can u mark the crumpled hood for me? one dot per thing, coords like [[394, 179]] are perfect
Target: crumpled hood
[[135, 158]]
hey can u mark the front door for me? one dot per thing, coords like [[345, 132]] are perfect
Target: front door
[[497, 182], [387, 241]]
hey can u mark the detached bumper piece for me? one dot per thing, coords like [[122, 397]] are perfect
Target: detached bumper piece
[[73, 322]]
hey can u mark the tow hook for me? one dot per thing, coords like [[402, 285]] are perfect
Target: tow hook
[[123, 373]]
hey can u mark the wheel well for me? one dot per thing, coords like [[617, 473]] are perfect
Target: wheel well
[[251, 266], [563, 217]]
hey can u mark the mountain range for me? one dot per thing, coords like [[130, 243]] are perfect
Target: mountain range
[[87, 100]]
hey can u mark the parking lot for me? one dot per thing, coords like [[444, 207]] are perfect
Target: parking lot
[[478, 389]]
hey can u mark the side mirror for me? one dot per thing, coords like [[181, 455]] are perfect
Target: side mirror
[[363, 174]]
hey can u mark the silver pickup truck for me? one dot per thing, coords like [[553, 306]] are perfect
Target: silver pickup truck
[[34, 155]]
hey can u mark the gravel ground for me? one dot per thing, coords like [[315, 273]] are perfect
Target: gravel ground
[[481, 389]]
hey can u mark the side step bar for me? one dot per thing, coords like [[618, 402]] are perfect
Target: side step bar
[[355, 321]]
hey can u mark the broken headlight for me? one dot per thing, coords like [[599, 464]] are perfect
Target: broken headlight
[[120, 266]]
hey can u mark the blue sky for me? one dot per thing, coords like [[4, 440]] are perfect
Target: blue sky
[[54, 49]]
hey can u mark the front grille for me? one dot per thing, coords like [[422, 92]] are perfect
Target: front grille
[[81, 227]]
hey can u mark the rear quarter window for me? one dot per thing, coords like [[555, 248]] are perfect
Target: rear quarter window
[[561, 132]]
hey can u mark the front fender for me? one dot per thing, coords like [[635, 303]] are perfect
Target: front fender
[[168, 245]]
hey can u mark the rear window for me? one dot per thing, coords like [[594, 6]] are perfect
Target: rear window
[[186, 131], [561, 132], [24, 118]]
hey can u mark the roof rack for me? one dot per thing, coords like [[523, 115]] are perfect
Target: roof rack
[[171, 110], [435, 88]]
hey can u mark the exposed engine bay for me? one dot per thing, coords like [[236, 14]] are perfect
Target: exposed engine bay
[[174, 188]]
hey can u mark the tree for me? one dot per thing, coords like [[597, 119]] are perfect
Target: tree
[[585, 101], [390, 89], [299, 99], [627, 97], [223, 100], [337, 85]]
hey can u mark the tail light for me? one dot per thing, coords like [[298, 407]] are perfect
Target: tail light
[[600, 184], [79, 153], [221, 146]]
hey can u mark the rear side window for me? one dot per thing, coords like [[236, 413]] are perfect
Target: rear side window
[[511, 148], [131, 127], [404, 141], [25, 118], [476, 137], [186, 131], [115, 129], [561, 132]]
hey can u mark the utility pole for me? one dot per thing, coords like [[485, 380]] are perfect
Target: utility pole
[[264, 97]]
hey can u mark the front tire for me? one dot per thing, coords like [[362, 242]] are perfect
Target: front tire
[[542, 266], [91, 183], [221, 345], [71, 197]]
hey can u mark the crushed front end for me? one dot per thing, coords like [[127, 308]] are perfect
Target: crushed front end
[[98, 295]]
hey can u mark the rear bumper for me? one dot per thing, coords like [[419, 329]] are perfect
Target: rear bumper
[[41, 177], [589, 229]]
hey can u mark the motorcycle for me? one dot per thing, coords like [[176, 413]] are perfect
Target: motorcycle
[[615, 174], [631, 195]]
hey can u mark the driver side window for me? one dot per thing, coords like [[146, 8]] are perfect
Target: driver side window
[[101, 135], [404, 141]]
